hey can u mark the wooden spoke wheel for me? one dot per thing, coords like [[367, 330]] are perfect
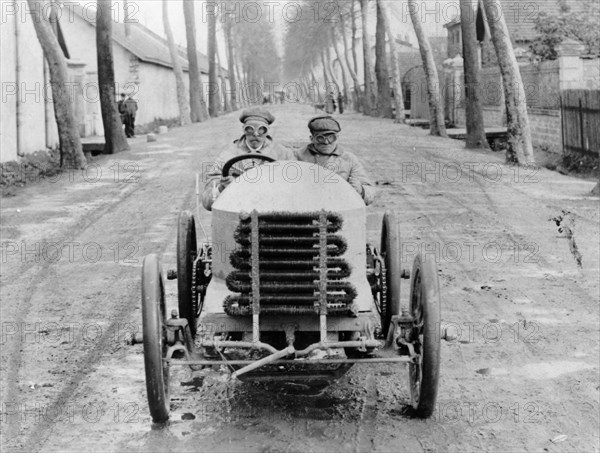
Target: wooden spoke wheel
[[186, 254], [425, 309], [154, 318]]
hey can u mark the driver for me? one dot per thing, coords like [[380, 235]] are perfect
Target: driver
[[325, 151], [256, 139]]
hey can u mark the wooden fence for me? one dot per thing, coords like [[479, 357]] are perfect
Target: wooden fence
[[580, 121]]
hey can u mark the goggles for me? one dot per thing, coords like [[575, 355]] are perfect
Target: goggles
[[258, 130], [326, 139]]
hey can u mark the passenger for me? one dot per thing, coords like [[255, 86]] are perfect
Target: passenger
[[256, 139], [325, 151]]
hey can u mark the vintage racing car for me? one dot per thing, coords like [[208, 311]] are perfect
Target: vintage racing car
[[288, 289]]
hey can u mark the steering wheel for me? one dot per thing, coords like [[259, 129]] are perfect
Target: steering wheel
[[234, 160]]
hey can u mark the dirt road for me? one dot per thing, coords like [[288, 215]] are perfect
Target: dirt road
[[522, 374]]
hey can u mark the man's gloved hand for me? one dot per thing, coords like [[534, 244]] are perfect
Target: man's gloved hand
[[224, 182]]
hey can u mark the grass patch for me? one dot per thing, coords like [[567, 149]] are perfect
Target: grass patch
[[573, 164], [28, 169]]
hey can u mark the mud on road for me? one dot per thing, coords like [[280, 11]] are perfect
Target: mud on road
[[521, 375]]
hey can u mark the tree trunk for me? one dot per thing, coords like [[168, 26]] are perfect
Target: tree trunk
[[520, 148], [182, 102], [474, 114], [325, 75], [384, 101], [315, 86], [356, 94], [71, 153], [242, 84], [198, 111], [213, 92], [223, 84], [396, 79], [341, 62], [328, 61], [249, 95], [354, 38], [369, 100], [307, 89], [303, 88], [436, 112], [361, 92], [114, 137], [230, 65]]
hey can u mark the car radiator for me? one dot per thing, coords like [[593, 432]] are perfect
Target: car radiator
[[289, 264]]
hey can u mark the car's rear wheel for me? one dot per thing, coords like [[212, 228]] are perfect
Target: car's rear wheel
[[425, 310]]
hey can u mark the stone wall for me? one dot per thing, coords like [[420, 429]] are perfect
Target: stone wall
[[591, 73], [543, 83], [419, 105], [546, 129], [544, 123], [492, 117]]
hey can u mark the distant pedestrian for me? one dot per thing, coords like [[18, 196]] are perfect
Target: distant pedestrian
[[121, 108], [341, 100], [330, 103], [131, 108]]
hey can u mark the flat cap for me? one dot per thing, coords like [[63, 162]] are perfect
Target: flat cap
[[324, 123], [257, 114]]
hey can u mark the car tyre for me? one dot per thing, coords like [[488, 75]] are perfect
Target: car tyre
[[390, 251], [186, 254], [425, 309], [155, 344]]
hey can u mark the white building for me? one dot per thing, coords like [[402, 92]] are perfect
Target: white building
[[142, 65]]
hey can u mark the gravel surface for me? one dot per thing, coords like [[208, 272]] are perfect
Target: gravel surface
[[522, 374]]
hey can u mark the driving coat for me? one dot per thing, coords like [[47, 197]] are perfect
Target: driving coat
[[212, 170], [346, 165]]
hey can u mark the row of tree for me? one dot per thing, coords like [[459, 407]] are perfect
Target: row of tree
[[251, 54], [309, 44]]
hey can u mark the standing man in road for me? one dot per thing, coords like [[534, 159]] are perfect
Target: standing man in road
[[256, 139], [121, 108], [131, 108], [325, 151], [341, 100]]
